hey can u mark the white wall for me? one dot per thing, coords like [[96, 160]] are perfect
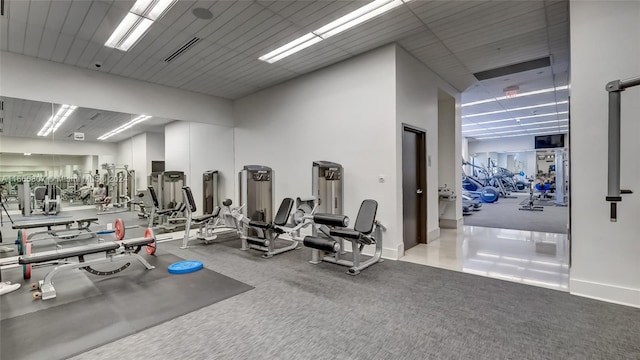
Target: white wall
[[155, 151], [605, 46], [417, 95], [516, 143], [344, 113], [133, 153], [194, 148], [25, 77]]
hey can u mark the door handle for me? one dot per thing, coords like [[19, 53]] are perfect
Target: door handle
[[419, 191]]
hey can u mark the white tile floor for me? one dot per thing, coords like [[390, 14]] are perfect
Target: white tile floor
[[528, 257]]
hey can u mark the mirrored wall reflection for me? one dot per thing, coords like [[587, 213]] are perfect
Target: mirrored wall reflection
[[61, 157]]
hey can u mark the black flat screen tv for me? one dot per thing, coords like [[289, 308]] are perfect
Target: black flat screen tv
[[549, 141]]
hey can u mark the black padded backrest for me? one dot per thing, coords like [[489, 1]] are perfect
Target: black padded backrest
[[282, 216], [190, 201], [366, 216], [154, 197]]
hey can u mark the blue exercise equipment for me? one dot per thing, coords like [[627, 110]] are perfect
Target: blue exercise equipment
[[185, 266]]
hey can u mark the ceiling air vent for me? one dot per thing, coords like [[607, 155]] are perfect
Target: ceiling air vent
[[2, 7], [1, 125], [513, 68], [95, 116], [182, 49]]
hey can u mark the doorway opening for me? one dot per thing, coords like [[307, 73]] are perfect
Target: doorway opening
[[414, 185]]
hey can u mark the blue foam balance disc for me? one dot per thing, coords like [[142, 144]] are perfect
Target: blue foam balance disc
[[185, 266]]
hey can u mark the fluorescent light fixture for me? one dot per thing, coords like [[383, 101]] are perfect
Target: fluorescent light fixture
[[296, 45], [517, 109], [516, 135], [354, 18], [536, 92], [517, 125], [521, 130], [136, 23], [27, 154], [124, 127], [517, 118], [56, 120]]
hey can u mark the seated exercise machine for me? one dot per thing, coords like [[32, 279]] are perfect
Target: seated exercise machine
[[334, 238], [265, 234], [124, 250], [529, 206], [168, 219], [206, 222], [48, 199]]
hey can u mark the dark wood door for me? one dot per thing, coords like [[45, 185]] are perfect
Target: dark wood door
[[414, 187]]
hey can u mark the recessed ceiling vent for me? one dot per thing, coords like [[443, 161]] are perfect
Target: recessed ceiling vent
[[95, 116], [514, 68], [182, 49]]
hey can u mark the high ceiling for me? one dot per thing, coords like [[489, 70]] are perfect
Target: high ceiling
[[24, 118], [453, 38]]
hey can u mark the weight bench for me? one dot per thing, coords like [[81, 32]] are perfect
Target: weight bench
[[115, 252], [268, 233], [205, 222], [359, 236]]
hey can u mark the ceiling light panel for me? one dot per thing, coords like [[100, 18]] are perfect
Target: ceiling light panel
[[516, 125], [529, 134], [124, 127], [529, 93], [516, 118], [56, 120], [137, 22], [517, 109], [354, 18]]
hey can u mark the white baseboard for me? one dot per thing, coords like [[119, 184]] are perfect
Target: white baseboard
[[451, 223], [387, 252], [605, 292], [433, 235]]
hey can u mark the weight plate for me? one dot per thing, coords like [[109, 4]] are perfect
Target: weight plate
[[151, 248], [26, 268], [118, 225], [185, 266]]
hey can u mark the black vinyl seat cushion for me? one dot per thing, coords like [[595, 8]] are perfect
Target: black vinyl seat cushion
[[260, 224], [346, 233], [202, 218]]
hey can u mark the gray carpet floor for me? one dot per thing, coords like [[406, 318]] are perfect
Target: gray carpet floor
[[505, 215], [393, 310]]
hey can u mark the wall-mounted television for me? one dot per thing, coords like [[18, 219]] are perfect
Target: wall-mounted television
[[549, 141]]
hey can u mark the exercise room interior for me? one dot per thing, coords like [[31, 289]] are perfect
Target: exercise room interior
[[377, 179]]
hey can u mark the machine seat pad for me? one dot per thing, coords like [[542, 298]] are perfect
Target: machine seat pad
[[136, 242], [345, 233], [87, 220], [202, 218], [67, 253], [260, 224], [39, 224]]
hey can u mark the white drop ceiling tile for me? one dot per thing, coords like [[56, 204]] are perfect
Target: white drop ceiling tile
[[288, 8], [4, 35], [123, 63], [318, 63], [420, 39], [326, 13], [489, 13], [75, 17], [47, 44], [92, 21], [38, 11], [102, 56], [176, 12], [156, 40], [109, 22], [32, 40], [557, 12], [216, 9], [251, 28], [262, 34], [379, 27], [492, 32], [162, 50], [57, 14], [218, 22], [432, 11], [88, 54], [75, 51], [240, 23], [62, 47], [17, 32]]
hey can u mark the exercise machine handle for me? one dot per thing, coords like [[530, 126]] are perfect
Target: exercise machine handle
[[615, 88]]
